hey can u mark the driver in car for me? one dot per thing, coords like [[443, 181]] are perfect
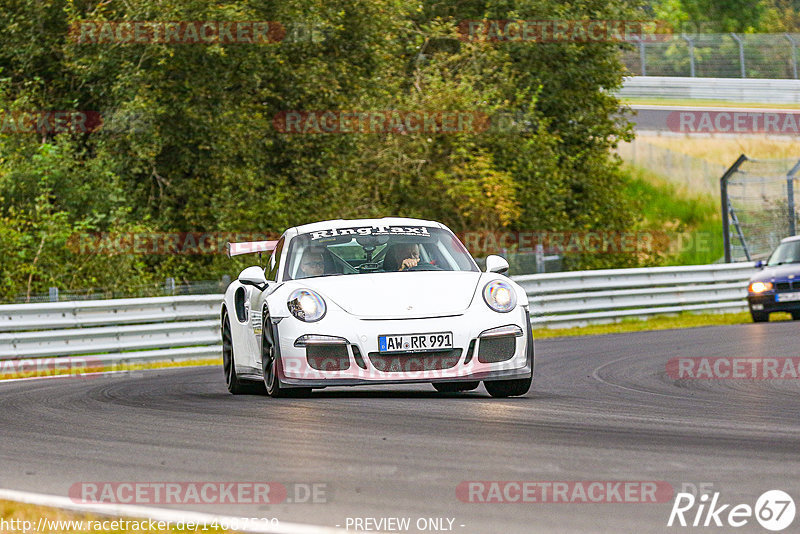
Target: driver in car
[[312, 263], [407, 256]]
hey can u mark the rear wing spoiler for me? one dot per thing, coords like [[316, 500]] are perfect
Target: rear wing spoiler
[[250, 247]]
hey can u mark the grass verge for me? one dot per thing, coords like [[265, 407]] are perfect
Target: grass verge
[[725, 150], [691, 220], [665, 322], [708, 102]]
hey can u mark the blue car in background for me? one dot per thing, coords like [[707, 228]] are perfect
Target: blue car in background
[[777, 286]]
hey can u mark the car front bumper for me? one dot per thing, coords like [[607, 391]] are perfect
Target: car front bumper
[[357, 361], [766, 303]]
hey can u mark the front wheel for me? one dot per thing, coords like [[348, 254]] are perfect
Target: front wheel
[[271, 363], [796, 315], [761, 317], [508, 388]]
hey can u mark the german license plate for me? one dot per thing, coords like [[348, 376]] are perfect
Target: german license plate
[[415, 342], [787, 297]]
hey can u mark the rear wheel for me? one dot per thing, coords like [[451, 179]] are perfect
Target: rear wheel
[[271, 363], [455, 387], [234, 385], [761, 317], [508, 388]]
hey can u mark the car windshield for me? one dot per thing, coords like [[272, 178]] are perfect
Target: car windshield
[[375, 249], [785, 253]]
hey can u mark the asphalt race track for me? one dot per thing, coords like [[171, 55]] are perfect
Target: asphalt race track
[[601, 409]]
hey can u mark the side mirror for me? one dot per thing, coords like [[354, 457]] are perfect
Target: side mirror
[[253, 276], [760, 264], [496, 264]]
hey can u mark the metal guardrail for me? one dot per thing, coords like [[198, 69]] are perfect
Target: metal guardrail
[[725, 89], [186, 327], [584, 297], [108, 331]]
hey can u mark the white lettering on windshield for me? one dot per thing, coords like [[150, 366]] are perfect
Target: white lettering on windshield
[[373, 230]]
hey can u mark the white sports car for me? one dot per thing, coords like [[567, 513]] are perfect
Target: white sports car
[[374, 301]]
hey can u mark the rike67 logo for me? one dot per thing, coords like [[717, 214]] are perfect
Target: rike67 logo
[[774, 510]]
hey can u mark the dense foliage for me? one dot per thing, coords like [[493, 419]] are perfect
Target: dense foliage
[[190, 145], [719, 16]]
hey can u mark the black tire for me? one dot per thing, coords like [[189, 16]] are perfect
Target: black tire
[[517, 386], [760, 317], [234, 385], [455, 387], [271, 363], [508, 388], [795, 315]]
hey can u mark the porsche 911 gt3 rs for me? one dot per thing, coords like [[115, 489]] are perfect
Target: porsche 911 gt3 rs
[[374, 301]]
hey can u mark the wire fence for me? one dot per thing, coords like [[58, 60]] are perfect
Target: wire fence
[[715, 55], [759, 195]]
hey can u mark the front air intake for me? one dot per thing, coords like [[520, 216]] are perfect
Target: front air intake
[[496, 349], [414, 362], [328, 357]]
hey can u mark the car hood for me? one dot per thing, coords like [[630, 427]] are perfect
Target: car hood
[[779, 272], [407, 295]]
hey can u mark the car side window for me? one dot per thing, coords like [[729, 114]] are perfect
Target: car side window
[[275, 261]]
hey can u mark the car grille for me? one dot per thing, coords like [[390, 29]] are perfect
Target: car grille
[[409, 362], [496, 349], [328, 357], [787, 286]]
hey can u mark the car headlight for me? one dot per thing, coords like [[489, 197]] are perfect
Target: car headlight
[[306, 305], [759, 287], [500, 296]]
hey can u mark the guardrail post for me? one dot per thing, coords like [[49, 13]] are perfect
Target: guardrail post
[[169, 286], [642, 56], [53, 294], [691, 53], [540, 267], [741, 53], [723, 186], [793, 44]]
